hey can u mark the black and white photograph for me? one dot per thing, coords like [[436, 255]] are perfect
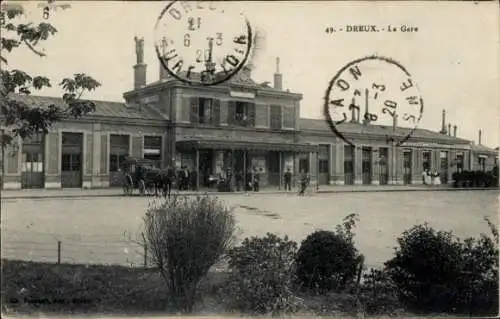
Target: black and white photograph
[[240, 159]]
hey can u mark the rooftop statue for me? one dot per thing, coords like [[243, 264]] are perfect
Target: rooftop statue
[[139, 49]]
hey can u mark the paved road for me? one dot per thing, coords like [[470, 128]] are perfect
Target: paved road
[[102, 230]]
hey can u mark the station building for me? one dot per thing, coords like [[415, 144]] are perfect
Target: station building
[[239, 124]]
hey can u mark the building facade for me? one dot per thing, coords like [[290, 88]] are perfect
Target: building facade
[[238, 125]]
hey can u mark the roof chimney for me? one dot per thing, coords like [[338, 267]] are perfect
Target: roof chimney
[[449, 129], [394, 122], [479, 140], [443, 125], [454, 131], [140, 67], [278, 78]]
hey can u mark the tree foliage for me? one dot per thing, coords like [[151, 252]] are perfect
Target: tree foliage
[[19, 118]]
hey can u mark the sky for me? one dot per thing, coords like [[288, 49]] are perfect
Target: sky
[[453, 58]]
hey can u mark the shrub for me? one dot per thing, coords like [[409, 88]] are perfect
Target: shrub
[[327, 260], [261, 276], [378, 294], [185, 237], [436, 272]]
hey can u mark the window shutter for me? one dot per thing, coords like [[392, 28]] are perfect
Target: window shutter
[[231, 111], [215, 112], [194, 118], [251, 114], [276, 116]]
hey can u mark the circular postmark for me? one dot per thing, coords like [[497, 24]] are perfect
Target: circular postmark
[[377, 90], [202, 43]]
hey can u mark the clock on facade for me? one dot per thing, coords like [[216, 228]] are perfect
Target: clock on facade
[[374, 90], [203, 43]]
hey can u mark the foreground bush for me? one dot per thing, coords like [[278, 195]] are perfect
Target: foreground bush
[[262, 275], [185, 237], [436, 272], [327, 260], [476, 178]]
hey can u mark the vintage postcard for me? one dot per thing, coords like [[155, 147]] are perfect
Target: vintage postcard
[[249, 158]]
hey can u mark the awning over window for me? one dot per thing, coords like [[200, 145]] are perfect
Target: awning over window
[[247, 146]]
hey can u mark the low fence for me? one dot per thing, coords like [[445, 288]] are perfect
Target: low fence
[[103, 251]]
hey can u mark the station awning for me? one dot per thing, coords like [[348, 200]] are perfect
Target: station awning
[[246, 146]]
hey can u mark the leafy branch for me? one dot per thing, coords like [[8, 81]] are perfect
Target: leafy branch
[[18, 117]]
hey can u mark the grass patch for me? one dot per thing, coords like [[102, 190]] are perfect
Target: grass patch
[[29, 287], [33, 287]]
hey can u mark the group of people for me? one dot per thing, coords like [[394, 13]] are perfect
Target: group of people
[[430, 178], [248, 182], [186, 179]]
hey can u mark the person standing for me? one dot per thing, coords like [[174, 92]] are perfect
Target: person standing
[[229, 179], [194, 179], [304, 182], [288, 180], [169, 180], [256, 180], [238, 178]]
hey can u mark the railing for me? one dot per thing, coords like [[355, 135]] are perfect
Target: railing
[[90, 251]]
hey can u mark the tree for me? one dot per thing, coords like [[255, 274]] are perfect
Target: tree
[[17, 118]]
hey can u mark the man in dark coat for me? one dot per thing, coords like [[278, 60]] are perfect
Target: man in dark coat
[[238, 179], [288, 180], [194, 179], [169, 180], [256, 180]]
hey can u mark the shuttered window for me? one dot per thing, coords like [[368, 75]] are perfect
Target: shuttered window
[[276, 117], [288, 117]]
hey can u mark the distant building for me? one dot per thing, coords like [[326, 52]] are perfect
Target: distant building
[[240, 125]]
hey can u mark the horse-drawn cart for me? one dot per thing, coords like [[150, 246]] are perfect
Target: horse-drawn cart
[[140, 174]]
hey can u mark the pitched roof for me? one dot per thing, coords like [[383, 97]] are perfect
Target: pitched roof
[[479, 148], [103, 108], [321, 125], [242, 78]]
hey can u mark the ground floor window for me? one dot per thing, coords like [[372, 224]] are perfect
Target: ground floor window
[[32, 162], [323, 166], [71, 162], [116, 162], [460, 162], [482, 164], [426, 160]]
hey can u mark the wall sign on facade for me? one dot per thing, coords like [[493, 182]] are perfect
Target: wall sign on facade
[[246, 95], [150, 99]]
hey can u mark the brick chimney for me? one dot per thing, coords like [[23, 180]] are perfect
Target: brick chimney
[[278, 78], [140, 66], [449, 129], [454, 131], [479, 139], [443, 125], [394, 122]]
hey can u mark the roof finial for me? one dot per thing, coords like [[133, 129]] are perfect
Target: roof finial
[[278, 65]]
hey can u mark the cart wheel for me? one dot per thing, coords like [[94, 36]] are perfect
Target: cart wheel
[[142, 187]]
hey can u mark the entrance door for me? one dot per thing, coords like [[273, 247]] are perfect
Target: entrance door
[[71, 160], [273, 168], [366, 165], [383, 166], [32, 162], [206, 161], [407, 167], [32, 169], [348, 165], [443, 167], [324, 164]]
